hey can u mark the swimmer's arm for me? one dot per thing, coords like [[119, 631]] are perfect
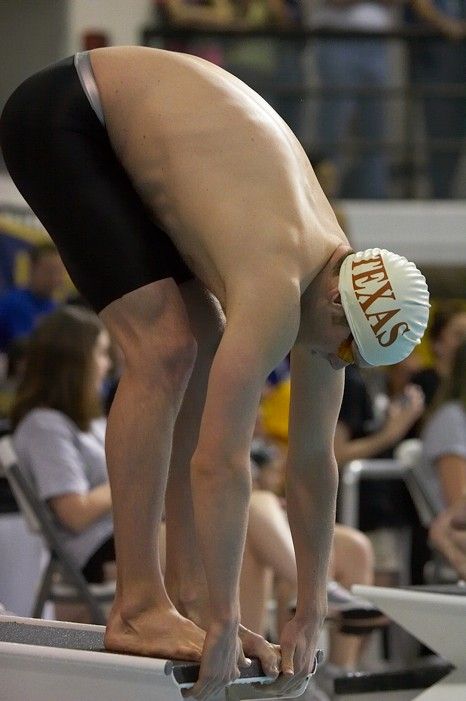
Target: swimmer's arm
[[262, 324], [312, 475]]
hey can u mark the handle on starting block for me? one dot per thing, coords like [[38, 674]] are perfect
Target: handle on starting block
[[243, 689]]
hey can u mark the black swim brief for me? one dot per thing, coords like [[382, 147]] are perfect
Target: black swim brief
[[94, 569], [61, 160]]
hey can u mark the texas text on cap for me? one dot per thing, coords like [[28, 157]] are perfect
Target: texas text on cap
[[386, 302]]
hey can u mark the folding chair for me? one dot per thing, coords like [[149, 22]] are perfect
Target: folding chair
[[396, 643], [62, 580], [427, 504], [409, 454]]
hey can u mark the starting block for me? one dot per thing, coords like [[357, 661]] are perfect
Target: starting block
[[42, 660], [435, 615]]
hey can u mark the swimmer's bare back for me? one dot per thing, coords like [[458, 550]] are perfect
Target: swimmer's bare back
[[220, 170]]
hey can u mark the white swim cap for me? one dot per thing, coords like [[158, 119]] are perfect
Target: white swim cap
[[386, 302]]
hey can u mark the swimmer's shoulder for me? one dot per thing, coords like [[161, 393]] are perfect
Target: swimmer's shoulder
[[130, 78], [133, 54], [119, 61]]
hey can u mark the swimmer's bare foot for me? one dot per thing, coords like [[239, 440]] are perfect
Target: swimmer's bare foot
[[154, 632], [255, 645]]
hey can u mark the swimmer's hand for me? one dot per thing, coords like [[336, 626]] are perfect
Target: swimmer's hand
[[255, 645], [222, 656], [298, 642]]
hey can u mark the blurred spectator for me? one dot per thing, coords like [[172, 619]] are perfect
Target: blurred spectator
[[198, 14], [275, 405], [444, 438], [398, 376], [435, 65], [358, 434], [256, 60], [448, 535], [385, 507], [268, 463], [362, 432], [446, 333], [289, 75], [15, 364], [59, 432], [356, 67], [20, 308], [113, 378]]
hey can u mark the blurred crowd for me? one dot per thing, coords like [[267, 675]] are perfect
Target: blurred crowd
[[355, 120]]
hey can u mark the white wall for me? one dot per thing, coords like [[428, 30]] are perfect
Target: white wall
[[429, 232], [9, 194], [32, 35], [35, 33]]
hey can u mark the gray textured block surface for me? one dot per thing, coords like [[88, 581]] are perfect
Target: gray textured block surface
[[51, 636]]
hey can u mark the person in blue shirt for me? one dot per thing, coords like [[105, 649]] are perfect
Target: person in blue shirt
[[21, 307]]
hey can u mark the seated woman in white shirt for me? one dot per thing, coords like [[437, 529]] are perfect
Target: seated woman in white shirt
[[59, 432], [444, 439]]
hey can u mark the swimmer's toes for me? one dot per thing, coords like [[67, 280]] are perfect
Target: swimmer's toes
[[191, 654]]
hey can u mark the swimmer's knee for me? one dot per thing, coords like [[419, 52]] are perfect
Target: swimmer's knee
[[163, 363], [206, 317], [178, 358], [209, 464], [155, 338]]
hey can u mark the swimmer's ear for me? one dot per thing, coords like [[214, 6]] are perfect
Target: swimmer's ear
[[359, 361], [334, 296]]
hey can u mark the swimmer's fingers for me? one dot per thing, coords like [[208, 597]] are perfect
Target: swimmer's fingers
[[219, 664], [298, 643], [255, 645]]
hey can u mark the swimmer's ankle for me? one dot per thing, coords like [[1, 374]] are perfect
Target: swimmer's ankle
[[131, 606], [189, 594]]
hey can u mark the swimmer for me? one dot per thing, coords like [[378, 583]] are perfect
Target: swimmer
[[178, 198]]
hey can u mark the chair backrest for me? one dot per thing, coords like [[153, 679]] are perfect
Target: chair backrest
[[9, 463], [428, 506], [352, 474], [40, 520], [409, 453], [37, 514]]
